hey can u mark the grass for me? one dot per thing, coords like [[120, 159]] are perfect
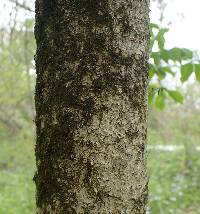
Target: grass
[[16, 173], [17, 193], [173, 187]]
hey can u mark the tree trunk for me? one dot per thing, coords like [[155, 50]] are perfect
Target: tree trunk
[[91, 108]]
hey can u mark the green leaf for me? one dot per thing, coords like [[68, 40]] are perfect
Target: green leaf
[[168, 70], [176, 54], [186, 71], [176, 96], [150, 99], [151, 72], [156, 57], [165, 55], [153, 25], [160, 101], [160, 37], [161, 73], [186, 54], [197, 71], [152, 91]]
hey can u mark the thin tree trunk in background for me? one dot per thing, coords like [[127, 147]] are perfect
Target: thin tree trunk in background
[[28, 77], [91, 92]]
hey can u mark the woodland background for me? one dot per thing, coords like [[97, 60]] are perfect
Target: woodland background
[[174, 117]]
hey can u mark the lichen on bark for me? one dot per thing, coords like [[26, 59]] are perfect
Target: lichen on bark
[[91, 109]]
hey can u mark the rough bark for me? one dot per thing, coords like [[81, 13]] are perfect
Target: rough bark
[[91, 89]]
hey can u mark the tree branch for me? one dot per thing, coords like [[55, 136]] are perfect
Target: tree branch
[[23, 6]]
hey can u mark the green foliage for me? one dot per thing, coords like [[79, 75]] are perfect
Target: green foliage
[[176, 96], [176, 54], [174, 174], [167, 64], [160, 100], [197, 71], [172, 189], [186, 71], [16, 82], [16, 114], [16, 173], [160, 37]]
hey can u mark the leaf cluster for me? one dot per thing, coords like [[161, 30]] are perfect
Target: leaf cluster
[[168, 64]]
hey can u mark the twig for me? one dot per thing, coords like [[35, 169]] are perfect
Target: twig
[[23, 6]]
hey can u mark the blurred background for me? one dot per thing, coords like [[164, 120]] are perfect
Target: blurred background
[[174, 107]]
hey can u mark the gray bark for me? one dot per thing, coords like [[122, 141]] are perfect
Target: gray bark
[[91, 108]]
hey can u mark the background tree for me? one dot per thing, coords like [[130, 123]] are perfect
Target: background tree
[[91, 92]]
